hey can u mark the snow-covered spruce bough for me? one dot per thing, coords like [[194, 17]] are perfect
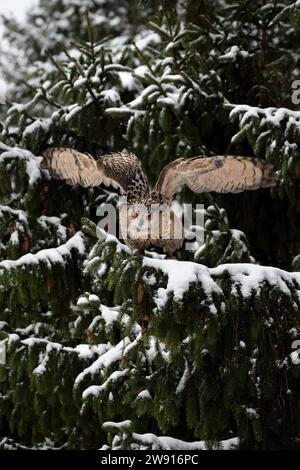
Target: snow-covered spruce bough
[[214, 360]]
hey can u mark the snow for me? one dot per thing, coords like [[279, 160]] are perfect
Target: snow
[[251, 276], [126, 424], [128, 82], [3, 324], [148, 39], [44, 357], [14, 238], [110, 315], [50, 255], [111, 97], [150, 280], [19, 213], [86, 351], [31, 161], [16, 7], [156, 347], [12, 338], [2, 91], [82, 301], [144, 395], [120, 111], [133, 344], [140, 100], [61, 230], [169, 443], [96, 390], [295, 357], [102, 270], [51, 220], [252, 412], [270, 115], [108, 237], [154, 442], [180, 275], [36, 126], [141, 71], [32, 341], [73, 111], [111, 356], [183, 381], [234, 53], [80, 82]]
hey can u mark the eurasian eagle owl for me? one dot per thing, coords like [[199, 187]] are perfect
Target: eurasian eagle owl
[[122, 170]]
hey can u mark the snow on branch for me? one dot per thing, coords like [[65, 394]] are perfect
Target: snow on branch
[[180, 275], [271, 115], [268, 130], [82, 351], [18, 213], [249, 277], [49, 256], [32, 163], [153, 442], [96, 390], [114, 354]]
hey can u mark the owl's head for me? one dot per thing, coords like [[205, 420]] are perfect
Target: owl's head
[[153, 222]]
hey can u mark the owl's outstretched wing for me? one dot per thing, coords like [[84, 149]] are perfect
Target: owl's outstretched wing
[[72, 166], [121, 170], [222, 174]]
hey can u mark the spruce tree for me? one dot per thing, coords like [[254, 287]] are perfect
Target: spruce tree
[[116, 351]]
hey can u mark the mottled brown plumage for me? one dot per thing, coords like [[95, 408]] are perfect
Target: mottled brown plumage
[[123, 170]]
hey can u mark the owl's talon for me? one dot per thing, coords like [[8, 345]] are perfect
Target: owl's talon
[[138, 253], [171, 256]]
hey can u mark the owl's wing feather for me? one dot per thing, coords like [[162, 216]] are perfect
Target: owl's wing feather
[[222, 174], [72, 166], [120, 170]]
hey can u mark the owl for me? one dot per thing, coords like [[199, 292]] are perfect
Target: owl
[[146, 217]]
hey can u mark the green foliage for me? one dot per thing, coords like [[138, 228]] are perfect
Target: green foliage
[[222, 245], [111, 343], [207, 363]]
